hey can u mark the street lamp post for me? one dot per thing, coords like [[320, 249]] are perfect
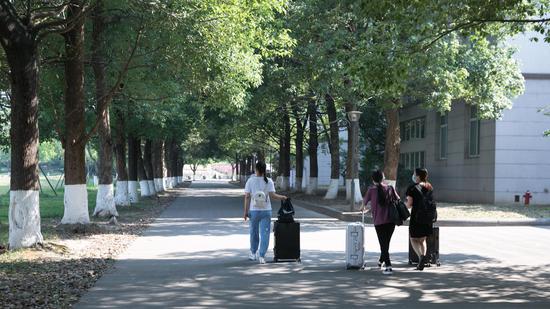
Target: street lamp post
[[353, 117]]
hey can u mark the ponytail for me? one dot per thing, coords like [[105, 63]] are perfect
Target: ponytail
[[377, 177], [261, 167], [422, 174], [381, 194]]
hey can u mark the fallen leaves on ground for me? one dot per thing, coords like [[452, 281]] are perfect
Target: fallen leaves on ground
[[56, 273]]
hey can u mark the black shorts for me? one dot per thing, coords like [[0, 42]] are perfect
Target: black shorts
[[417, 230]]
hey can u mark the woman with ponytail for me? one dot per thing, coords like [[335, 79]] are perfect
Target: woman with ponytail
[[259, 190], [379, 196]]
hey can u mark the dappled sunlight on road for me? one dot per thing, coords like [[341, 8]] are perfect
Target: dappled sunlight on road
[[195, 255]]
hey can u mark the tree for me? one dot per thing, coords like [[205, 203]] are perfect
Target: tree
[[23, 26], [73, 141]]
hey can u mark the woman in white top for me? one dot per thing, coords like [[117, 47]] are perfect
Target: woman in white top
[[259, 190]]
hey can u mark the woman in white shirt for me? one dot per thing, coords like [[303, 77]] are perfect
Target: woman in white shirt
[[259, 190]]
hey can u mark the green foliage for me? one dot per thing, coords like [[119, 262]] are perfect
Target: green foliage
[[50, 151]]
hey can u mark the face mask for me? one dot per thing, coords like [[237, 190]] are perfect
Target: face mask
[[413, 178]]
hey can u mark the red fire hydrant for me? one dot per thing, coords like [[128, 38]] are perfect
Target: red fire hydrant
[[527, 197]]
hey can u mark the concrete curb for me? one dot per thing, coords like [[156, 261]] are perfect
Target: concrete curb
[[354, 217]]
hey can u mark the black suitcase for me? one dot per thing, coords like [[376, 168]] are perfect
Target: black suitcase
[[287, 241], [432, 250]]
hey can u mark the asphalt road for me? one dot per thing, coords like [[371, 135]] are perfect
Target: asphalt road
[[195, 256]]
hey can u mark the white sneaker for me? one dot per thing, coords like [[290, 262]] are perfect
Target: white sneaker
[[252, 257], [261, 260], [388, 271]]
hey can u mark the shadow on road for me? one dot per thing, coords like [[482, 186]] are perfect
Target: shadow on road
[[225, 279]]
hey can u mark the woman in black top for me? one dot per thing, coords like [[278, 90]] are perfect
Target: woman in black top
[[419, 231]]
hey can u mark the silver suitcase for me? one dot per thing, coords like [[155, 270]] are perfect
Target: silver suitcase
[[355, 246]]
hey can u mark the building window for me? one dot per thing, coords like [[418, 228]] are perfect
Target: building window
[[443, 135], [412, 160], [413, 129], [473, 142]]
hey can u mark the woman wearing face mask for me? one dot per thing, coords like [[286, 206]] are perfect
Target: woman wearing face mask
[[419, 231]]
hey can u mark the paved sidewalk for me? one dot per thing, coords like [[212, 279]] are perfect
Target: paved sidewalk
[[194, 256], [356, 216]]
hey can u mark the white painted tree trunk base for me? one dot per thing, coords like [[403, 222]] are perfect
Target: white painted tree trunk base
[[312, 186], [285, 183], [76, 205], [392, 183], [332, 191], [122, 197], [167, 183], [159, 185], [105, 201], [279, 181], [151, 185], [358, 196], [144, 188], [298, 185], [133, 192], [24, 219]]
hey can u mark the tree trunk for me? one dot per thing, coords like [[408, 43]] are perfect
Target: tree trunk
[[391, 150], [122, 197], [24, 212], [242, 170], [149, 168], [167, 164], [299, 151], [285, 184], [261, 155], [76, 194], [142, 174], [179, 171], [312, 148], [350, 174], [174, 162], [105, 200], [334, 146], [158, 165], [237, 168], [133, 145]]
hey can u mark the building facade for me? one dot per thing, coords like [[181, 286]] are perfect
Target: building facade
[[487, 161]]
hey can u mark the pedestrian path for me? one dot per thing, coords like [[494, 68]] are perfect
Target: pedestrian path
[[194, 256]]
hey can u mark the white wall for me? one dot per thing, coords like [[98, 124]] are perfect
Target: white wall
[[532, 56], [522, 156]]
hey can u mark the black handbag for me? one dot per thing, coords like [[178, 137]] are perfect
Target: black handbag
[[286, 212], [403, 211], [397, 209], [393, 213]]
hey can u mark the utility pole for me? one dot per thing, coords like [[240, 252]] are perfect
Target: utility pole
[[353, 117]]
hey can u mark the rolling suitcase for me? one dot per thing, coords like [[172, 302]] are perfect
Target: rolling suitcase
[[355, 246], [287, 241], [432, 250]]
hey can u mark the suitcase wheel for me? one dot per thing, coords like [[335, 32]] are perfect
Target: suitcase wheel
[[275, 260], [438, 264], [299, 260], [410, 262]]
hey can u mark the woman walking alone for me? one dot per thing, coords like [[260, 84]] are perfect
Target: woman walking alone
[[259, 190], [379, 195], [419, 231]]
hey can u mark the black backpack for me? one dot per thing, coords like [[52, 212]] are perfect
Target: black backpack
[[286, 212], [427, 212]]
